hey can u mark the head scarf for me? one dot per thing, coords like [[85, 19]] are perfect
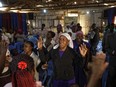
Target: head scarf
[[68, 37]]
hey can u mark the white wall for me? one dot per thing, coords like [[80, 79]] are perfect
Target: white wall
[[84, 19]]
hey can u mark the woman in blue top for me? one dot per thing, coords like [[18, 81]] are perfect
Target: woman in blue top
[[80, 75]]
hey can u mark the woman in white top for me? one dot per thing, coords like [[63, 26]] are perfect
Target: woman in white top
[[28, 49]]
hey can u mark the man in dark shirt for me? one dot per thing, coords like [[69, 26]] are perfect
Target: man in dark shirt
[[111, 51]]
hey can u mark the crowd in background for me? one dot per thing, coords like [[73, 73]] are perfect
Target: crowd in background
[[44, 58]]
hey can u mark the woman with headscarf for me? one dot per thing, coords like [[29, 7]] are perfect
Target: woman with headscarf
[[79, 40], [80, 75], [64, 59]]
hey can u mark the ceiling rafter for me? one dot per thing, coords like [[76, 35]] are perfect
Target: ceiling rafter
[[54, 4]]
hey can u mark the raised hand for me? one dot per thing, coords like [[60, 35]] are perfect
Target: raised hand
[[99, 65], [83, 49]]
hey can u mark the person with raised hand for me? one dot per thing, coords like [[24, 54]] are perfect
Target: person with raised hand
[[81, 73], [98, 67], [64, 59]]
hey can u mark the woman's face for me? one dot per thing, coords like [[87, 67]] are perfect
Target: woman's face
[[49, 35], [27, 48], [63, 42], [79, 37]]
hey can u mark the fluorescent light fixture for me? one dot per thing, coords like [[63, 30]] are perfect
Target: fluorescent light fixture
[[14, 11], [13, 8], [23, 11], [73, 14], [112, 6], [106, 4], [39, 5], [3, 8]]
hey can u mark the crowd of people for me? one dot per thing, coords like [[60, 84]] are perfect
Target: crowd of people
[[57, 59]]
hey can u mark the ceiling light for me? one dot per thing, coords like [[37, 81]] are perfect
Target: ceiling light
[[97, 1], [72, 14], [75, 2], [87, 12], [39, 5], [23, 11], [44, 11], [14, 11], [106, 4], [103, 23], [49, 0], [1, 4], [13, 8], [16, 7], [112, 6], [3, 8]]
